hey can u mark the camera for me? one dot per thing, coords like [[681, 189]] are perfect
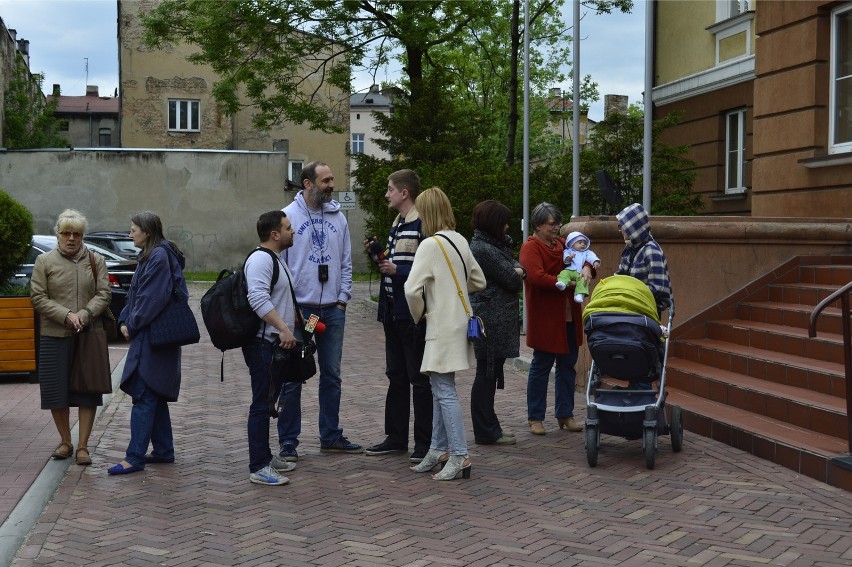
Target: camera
[[376, 251]]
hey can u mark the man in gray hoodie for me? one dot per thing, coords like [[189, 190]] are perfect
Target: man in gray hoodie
[[321, 263]]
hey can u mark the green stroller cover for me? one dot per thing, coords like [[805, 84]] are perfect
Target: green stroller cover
[[621, 294]]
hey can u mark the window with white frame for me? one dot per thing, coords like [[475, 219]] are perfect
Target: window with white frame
[[296, 171], [840, 97], [729, 8], [357, 144], [735, 134], [184, 115]]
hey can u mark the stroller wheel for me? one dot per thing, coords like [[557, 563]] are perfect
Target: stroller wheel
[[677, 429], [649, 442], [591, 441]]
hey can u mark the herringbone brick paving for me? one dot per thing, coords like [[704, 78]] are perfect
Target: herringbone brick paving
[[534, 503]]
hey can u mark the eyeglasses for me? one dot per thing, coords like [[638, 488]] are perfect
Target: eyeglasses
[[69, 234], [554, 223]]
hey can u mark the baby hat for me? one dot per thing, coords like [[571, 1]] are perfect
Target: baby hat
[[574, 237]]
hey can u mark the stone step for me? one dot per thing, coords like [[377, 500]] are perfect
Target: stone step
[[832, 274], [796, 448], [810, 410], [780, 338], [782, 368], [800, 293], [791, 315]]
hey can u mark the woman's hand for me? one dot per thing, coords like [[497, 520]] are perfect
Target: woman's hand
[[125, 333], [73, 322], [586, 273]]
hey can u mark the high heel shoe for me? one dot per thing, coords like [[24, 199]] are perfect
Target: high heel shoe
[[432, 459], [569, 424], [458, 466]]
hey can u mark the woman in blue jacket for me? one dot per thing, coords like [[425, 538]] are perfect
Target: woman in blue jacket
[[151, 377]]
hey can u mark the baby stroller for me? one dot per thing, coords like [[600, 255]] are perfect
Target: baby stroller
[[626, 342]]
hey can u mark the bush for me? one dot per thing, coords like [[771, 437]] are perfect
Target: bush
[[16, 233]]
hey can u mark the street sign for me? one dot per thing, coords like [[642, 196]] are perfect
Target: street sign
[[348, 200]]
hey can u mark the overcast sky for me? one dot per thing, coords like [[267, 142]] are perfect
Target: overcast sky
[[64, 34]]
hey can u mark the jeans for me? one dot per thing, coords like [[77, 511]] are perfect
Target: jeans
[[329, 355], [258, 355], [486, 426], [539, 376], [149, 423], [447, 418], [404, 344]]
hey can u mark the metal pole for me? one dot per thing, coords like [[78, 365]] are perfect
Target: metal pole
[[648, 139], [575, 114], [526, 172]]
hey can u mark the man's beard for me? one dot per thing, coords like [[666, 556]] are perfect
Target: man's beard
[[317, 198]]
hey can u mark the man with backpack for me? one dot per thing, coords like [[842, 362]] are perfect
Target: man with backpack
[[272, 301]]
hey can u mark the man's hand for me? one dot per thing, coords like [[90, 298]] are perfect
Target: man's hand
[[287, 339], [387, 268]]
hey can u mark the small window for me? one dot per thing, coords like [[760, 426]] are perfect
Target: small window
[[735, 151], [295, 171], [184, 115], [63, 125], [840, 98], [357, 144], [105, 137], [729, 8]]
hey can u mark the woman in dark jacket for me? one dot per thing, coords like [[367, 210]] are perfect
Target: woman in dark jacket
[[151, 377], [497, 305]]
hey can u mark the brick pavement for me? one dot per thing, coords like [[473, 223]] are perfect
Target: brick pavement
[[535, 503]]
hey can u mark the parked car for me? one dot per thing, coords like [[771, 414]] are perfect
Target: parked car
[[120, 270], [117, 241]]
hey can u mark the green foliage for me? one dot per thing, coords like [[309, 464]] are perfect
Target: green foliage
[[16, 232], [29, 117]]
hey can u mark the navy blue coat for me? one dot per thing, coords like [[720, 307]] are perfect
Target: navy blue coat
[[150, 291]]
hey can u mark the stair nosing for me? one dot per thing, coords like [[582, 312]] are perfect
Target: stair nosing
[[782, 330], [769, 356]]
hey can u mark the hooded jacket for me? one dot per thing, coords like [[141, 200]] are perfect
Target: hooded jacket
[[642, 257], [322, 237]]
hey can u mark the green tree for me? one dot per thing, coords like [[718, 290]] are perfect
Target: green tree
[[29, 117], [16, 231]]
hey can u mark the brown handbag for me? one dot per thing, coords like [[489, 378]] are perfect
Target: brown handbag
[[90, 372], [107, 317]]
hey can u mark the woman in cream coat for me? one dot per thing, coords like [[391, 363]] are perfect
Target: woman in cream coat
[[432, 295]]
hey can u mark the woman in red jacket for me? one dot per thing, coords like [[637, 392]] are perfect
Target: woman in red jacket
[[554, 325]]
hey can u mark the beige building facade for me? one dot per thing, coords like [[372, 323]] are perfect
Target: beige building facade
[[764, 89]]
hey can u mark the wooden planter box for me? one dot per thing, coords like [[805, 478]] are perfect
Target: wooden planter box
[[18, 337]]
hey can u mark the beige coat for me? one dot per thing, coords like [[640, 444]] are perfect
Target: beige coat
[[432, 293], [61, 285]]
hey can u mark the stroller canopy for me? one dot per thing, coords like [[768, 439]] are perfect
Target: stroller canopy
[[622, 294]]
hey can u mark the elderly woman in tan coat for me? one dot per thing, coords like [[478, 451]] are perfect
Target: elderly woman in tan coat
[[443, 273], [69, 298]]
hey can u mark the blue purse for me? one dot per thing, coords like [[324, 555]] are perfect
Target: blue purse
[[175, 326]]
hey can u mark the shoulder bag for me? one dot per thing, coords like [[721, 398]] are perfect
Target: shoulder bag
[[90, 372], [107, 317], [475, 326], [175, 325]]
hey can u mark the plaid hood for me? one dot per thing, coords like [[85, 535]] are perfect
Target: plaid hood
[[634, 220]]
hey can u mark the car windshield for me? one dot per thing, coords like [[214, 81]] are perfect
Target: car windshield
[[126, 246]]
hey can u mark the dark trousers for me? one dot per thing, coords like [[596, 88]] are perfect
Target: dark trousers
[[404, 344], [486, 426]]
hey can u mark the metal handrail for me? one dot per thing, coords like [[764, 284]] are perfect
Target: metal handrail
[[843, 295]]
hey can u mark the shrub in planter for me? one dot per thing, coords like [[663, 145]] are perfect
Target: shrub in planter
[[16, 232]]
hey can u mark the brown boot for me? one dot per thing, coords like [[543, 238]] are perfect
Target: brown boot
[[569, 424], [537, 428]]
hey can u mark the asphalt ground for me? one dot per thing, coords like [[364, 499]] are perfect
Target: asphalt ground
[[534, 503]]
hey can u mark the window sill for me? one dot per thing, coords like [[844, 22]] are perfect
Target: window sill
[[732, 196], [827, 161]]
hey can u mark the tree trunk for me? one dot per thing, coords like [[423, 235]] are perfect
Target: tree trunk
[[513, 84]]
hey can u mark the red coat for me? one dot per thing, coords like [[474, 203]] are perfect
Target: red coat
[[546, 305]]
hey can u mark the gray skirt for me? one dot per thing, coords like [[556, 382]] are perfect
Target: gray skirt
[[54, 364]]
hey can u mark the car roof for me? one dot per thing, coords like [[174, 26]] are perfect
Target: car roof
[[49, 242]]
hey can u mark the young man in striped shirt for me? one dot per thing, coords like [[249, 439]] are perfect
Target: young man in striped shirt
[[404, 341]]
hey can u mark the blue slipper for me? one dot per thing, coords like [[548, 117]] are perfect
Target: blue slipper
[[151, 458], [118, 469]]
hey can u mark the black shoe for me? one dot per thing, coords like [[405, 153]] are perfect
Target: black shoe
[[386, 447], [342, 445], [418, 454]]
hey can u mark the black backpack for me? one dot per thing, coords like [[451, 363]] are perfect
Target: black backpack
[[228, 316]]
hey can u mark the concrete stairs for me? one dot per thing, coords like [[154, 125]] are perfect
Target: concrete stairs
[[746, 373]]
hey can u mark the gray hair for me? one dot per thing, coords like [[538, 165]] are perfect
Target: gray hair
[[71, 218], [542, 212]]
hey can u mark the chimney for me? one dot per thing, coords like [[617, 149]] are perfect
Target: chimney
[[24, 50], [556, 92], [374, 88], [92, 90], [614, 103], [56, 91]]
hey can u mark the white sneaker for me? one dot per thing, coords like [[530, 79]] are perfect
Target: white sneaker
[[561, 286], [268, 475], [280, 465], [578, 298]]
